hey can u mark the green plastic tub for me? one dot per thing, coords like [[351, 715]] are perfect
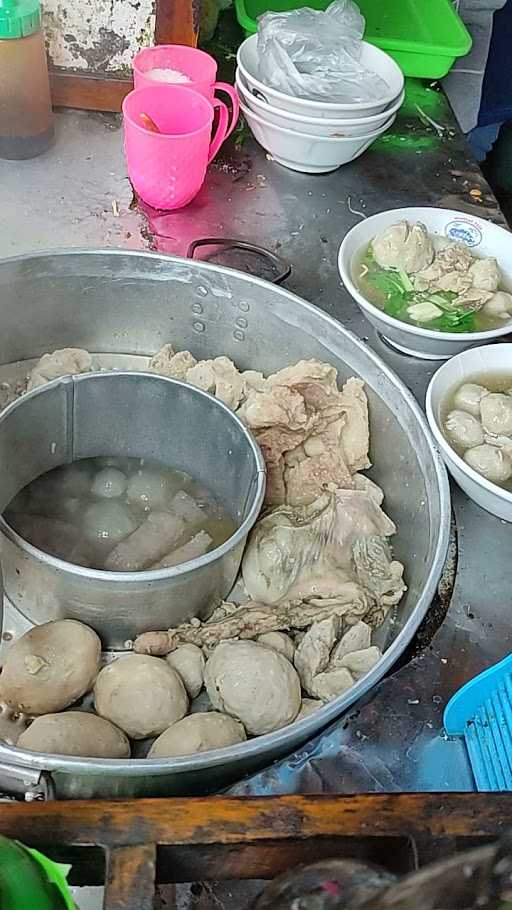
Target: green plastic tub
[[424, 36], [31, 881]]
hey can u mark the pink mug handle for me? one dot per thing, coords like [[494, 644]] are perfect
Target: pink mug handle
[[235, 104], [222, 128]]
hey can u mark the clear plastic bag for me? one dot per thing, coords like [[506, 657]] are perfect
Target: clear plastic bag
[[316, 54]]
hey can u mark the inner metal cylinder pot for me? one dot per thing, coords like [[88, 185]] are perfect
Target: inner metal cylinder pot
[[138, 415]]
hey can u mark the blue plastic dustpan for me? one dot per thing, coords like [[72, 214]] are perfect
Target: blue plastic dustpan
[[481, 712]]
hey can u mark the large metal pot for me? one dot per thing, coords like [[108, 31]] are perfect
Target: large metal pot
[[138, 415], [131, 303]]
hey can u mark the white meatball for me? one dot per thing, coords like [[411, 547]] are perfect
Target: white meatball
[[188, 661], [357, 638], [148, 489], [308, 706], [198, 733], [75, 479], [403, 246], [107, 521], [463, 429], [468, 398], [332, 683], [50, 667], [496, 412], [361, 662], [499, 305], [75, 733], [109, 484], [254, 684], [279, 642], [119, 462], [71, 507], [141, 695], [490, 461], [485, 274]]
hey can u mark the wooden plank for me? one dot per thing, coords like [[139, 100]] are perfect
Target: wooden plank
[[87, 863], [233, 821], [92, 93], [177, 22], [130, 878], [267, 860]]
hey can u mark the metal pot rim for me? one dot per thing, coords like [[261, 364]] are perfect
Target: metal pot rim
[[155, 575]]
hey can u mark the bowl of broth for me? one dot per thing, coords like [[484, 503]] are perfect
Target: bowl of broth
[[469, 410], [433, 282]]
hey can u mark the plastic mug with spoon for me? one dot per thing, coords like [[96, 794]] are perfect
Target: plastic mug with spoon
[[168, 142], [188, 66]]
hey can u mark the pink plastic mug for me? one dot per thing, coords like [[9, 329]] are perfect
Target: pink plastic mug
[[167, 169], [200, 68]]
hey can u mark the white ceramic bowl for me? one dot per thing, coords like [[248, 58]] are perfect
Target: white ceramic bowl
[[491, 358], [371, 57], [305, 153], [315, 126], [484, 239]]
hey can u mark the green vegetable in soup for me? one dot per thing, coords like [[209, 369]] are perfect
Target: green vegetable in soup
[[392, 291]]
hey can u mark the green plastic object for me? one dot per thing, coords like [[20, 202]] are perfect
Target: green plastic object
[[19, 18], [31, 881], [424, 36]]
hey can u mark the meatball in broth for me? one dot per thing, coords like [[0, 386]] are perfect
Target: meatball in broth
[[477, 422]]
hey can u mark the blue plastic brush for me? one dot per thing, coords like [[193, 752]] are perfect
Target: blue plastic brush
[[481, 712]]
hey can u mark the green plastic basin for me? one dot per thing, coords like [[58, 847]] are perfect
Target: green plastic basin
[[425, 37], [31, 881]]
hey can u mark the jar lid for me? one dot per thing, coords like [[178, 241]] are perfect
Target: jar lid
[[19, 18]]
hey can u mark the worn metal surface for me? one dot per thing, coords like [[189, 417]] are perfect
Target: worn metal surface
[[394, 741]]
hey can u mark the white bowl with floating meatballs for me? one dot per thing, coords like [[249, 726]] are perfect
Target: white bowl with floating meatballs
[[469, 409], [433, 282]]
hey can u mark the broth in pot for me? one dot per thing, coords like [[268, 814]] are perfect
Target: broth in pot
[[119, 514]]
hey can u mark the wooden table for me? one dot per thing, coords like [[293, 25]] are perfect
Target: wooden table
[[131, 846]]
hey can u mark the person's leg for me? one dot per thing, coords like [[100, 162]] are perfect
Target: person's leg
[[499, 164], [482, 139]]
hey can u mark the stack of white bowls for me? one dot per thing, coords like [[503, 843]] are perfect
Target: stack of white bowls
[[315, 136]]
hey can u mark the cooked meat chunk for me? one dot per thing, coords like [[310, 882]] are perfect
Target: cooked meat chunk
[[311, 434], [60, 363]]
